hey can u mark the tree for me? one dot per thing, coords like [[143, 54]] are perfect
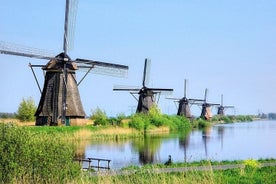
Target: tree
[[26, 110]]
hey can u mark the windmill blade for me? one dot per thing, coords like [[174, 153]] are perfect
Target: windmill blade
[[69, 24], [196, 100], [221, 100], [20, 50], [213, 104], [162, 91], [125, 88], [197, 103], [205, 95], [73, 7], [229, 106], [185, 88], [172, 98], [146, 73], [103, 68]]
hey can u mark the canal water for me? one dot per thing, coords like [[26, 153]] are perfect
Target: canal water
[[237, 141]]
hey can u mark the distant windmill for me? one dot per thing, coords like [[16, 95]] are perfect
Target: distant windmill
[[146, 94], [206, 111], [60, 100], [222, 108], [184, 103]]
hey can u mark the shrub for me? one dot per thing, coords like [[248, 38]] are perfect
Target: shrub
[[33, 158], [139, 121], [26, 110], [202, 123], [227, 119], [99, 117]]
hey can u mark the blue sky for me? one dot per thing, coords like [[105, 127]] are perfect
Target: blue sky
[[225, 46]]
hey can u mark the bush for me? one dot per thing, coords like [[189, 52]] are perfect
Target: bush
[[99, 117], [25, 157], [139, 121], [26, 110], [200, 123]]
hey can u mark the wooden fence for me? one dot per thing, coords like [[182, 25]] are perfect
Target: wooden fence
[[99, 163]]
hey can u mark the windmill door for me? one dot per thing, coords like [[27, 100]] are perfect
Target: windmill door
[[67, 121]]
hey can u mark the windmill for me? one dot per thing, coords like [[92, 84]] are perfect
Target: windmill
[[184, 103], [60, 101], [146, 94], [222, 108], [206, 111]]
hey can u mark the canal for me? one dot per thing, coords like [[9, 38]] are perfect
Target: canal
[[237, 141]]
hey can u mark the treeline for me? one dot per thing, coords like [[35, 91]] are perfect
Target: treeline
[[155, 119], [6, 115], [233, 119]]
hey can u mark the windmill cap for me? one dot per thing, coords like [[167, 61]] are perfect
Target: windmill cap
[[58, 63]]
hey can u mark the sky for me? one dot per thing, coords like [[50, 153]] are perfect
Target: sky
[[227, 46]]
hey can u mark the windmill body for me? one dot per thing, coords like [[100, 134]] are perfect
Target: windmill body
[[206, 111], [222, 108], [147, 95], [184, 108], [60, 101], [146, 100], [49, 111], [185, 103]]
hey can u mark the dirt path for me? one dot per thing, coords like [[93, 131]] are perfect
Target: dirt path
[[179, 169]]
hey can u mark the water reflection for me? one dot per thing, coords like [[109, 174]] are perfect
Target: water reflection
[[220, 135], [220, 142], [184, 143], [146, 147], [206, 133]]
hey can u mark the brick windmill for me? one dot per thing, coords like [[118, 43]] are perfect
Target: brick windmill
[[60, 101], [147, 95]]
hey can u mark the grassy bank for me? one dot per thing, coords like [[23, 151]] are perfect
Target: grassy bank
[[250, 172]]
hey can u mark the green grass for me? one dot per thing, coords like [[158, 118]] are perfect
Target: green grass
[[240, 175]]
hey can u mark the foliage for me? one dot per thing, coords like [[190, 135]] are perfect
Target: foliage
[[7, 115], [34, 158], [241, 118], [26, 110], [117, 120], [139, 121], [152, 175], [154, 118], [99, 116], [200, 123]]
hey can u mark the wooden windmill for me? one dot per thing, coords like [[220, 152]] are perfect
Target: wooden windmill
[[147, 95], [184, 103], [206, 111], [222, 108], [60, 101]]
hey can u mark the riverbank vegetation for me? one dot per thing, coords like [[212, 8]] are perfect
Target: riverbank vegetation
[[247, 174], [28, 156], [46, 155]]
